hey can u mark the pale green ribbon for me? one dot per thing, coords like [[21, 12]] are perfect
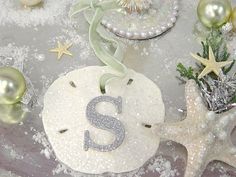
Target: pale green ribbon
[[96, 32]]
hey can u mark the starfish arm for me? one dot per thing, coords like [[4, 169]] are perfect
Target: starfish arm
[[68, 45], [229, 117], [59, 55], [211, 54], [200, 59], [226, 150], [54, 50], [196, 161], [228, 158], [59, 44], [224, 63], [195, 104], [216, 71], [170, 131], [206, 71], [68, 53]]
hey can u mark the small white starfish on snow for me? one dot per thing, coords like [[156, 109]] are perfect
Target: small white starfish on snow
[[206, 135]]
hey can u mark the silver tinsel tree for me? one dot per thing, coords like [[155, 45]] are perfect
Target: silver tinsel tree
[[218, 94]]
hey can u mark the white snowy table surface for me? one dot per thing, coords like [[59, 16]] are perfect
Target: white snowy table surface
[[28, 35]]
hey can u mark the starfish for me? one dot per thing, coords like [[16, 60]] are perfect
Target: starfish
[[205, 134], [211, 64], [62, 49]]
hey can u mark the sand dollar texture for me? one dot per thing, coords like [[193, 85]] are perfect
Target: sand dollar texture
[[64, 119]]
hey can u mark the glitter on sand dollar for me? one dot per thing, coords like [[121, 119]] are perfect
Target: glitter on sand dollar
[[65, 120], [205, 134]]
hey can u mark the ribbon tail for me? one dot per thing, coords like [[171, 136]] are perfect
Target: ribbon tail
[[88, 4], [118, 45], [96, 32], [77, 8], [105, 79], [101, 53]]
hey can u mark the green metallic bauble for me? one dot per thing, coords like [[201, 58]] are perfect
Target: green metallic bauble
[[214, 13], [12, 114], [31, 2], [12, 85], [233, 18]]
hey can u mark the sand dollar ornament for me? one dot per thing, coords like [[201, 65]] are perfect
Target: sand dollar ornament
[[141, 19], [214, 13], [12, 85], [96, 133]]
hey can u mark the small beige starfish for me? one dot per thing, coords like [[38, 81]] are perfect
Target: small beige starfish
[[211, 64], [206, 135], [61, 50]]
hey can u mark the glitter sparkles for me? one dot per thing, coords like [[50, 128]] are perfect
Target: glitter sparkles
[[65, 107], [227, 28], [218, 94], [206, 135], [106, 123]]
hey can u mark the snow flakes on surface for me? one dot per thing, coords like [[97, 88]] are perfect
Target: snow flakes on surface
[[51, 12], [11, 55], [4, 173]]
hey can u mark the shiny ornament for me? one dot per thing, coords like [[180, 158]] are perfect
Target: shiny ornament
[[233, 18], [30, 2], [205, 134], [12, 85], [12, 114], [214, 13], [135, 5]]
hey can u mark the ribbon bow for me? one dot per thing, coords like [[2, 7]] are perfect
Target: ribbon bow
[[96, 32]]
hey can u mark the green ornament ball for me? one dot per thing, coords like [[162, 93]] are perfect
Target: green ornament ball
[[12, 114], [31, 2], [12, 85], [214, 13]]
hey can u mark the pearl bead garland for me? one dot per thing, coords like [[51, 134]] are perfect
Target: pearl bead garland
[[143, 33]]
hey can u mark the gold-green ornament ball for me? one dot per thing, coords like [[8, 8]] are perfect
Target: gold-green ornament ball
[[214, 13], [233, 18], [12, 114], [30, 2], [12, 85]]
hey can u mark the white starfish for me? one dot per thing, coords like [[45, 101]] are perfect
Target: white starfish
[[206, 135], [211, 64]]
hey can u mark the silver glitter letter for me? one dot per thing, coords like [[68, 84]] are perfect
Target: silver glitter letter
[[104, 122]]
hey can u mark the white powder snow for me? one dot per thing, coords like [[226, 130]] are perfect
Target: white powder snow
[[51, 12], [12, 55], [4, 173]]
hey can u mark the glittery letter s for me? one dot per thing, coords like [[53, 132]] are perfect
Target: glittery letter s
[[104, 122]]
